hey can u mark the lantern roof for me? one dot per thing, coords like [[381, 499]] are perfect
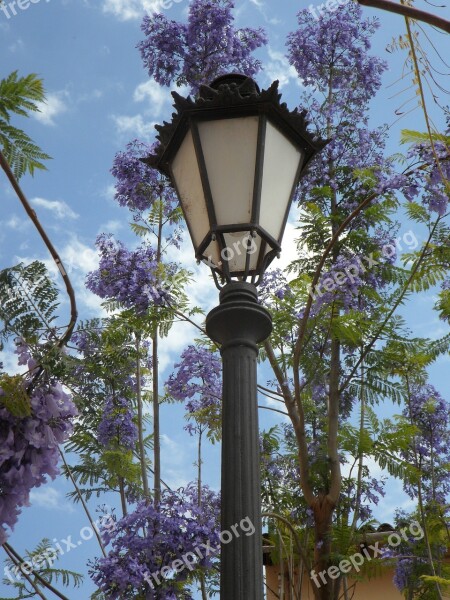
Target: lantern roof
[[229, 96]]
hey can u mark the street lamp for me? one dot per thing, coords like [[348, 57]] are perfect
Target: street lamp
[[235, 155]]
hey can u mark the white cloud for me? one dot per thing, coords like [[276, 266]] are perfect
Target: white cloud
[[18, 223], [111, 226], [78, 257], [78, 260], [51, 108], [180, 336], [48, 497], [279, 68], [126, 10], [288, 247], [143, 125], [17, 46], [108, 192], [175, 466], [60, 209], [154, 93], [201, 291], [261, 6], [89, 96], [9, 361], [136, 125]]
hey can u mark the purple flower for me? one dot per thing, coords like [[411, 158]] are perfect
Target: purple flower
[[433, 178], [150, 538], [429, 449], [30, 444], [197, 379], [200, 50], [129, 277], [138, 186], [117, 426]]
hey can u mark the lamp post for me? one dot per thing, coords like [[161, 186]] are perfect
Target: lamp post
[[235, 155]]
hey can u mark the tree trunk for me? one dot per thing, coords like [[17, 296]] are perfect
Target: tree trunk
[[322, 584], [156, 426]]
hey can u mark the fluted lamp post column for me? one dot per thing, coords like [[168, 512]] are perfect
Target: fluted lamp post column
[[235, 155]]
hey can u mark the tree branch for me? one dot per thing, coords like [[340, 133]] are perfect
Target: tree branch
[[297, 416], [408, 11], [10, 551], [54, 254]]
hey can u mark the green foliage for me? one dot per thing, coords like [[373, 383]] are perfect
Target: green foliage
[[20, 96], [119, 465], [443, 304], [14, 398], [28, 301], [409, 136], [209, 419], [105, 370], [42, 559], [383, 441], [377, 388], [351, 328], [435, 579], [139, 230], [417, 212]]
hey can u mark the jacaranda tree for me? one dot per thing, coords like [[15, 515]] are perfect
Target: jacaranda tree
[[338, 347]]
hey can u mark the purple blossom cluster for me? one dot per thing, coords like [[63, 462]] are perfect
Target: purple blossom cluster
[[410, 558], [197, 380], [150, 538], [331, 57], [24, 356], [343, 284], [138, 186], [431, 415], [129, 277], [117, 427], [339, 40], [273, 284], [432, 181], [283, 470], [385, 240], [198, 51], [29, 444], [372, 490], [280, 471], [403, 572]]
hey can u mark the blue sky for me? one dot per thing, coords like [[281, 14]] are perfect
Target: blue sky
[[99, 98]]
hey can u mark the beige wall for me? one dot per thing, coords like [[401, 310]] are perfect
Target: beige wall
[[380, 588]]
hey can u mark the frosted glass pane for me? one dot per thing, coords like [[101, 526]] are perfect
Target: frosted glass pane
[[187, 177], [236, 252], [229, 148], [212, 256], [281, 162]]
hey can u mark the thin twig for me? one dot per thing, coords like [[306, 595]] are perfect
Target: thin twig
[[80, 496], [274, 410]]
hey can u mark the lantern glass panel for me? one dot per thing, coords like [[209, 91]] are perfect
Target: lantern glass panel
[[212, 255], [190, 190], [236, 251], [229, 150], [281, 163]]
